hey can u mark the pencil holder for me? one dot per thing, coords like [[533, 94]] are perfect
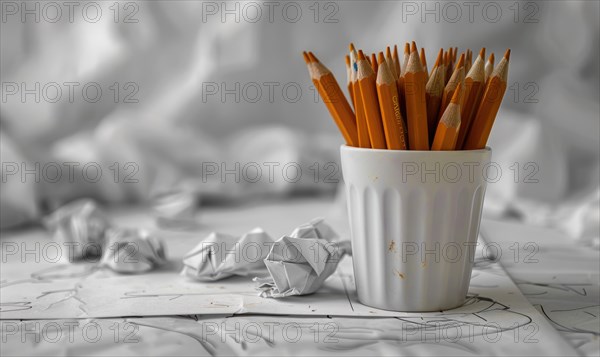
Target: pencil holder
[[414, 218]]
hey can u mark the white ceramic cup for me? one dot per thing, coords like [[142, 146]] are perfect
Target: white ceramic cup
[[414, 218]]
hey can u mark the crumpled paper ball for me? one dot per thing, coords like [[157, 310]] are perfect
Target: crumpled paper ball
[[80, 228], [132, 251], [220, 256], [298, 264]]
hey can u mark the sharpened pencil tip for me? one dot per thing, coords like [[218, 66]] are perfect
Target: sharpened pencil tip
[[413, 47], [439, 58], [406, 48], [380, 57], [482, 53], [306, 58], [352, 49], [348, 60], [312, 57], [492, 58], [457, 94], [388, 52], [507, 54], [361, 55], [461, 61]]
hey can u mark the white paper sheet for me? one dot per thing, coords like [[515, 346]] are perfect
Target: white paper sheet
[[496, 319], [103, 294], [280, 335], [37, 291], [559, 278]]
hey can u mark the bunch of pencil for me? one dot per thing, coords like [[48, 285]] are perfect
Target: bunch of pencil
[[403, 106]]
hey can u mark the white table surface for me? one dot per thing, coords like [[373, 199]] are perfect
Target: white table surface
[[559, 278]]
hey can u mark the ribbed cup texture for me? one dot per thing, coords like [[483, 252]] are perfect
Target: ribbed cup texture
[[413, 235]]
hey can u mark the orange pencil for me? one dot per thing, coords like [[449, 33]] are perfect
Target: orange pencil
[[361, 120], [400, 83], [489, 67], [433, 94], [368, 90], [474, 84], [396, 61], [444, 64], [458, 76], [406, 56], [453, 57], [389, 104], [468, 60], [402, 104], [334, 98], [349, 80], [447, 66], [374, 63], [451, 63], [479, 133], [403, 69], [390, 59], [416, 110], [449, 126], [306, 57], [424, 62]]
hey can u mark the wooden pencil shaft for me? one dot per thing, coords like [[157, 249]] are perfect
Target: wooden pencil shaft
[[361, 121], [446, 134], [416, 110], [389, 104], [334, 100], [368, 91], [481, 127], [474, 87]]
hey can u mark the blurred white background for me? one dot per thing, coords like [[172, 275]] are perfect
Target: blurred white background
[[158, 95]]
